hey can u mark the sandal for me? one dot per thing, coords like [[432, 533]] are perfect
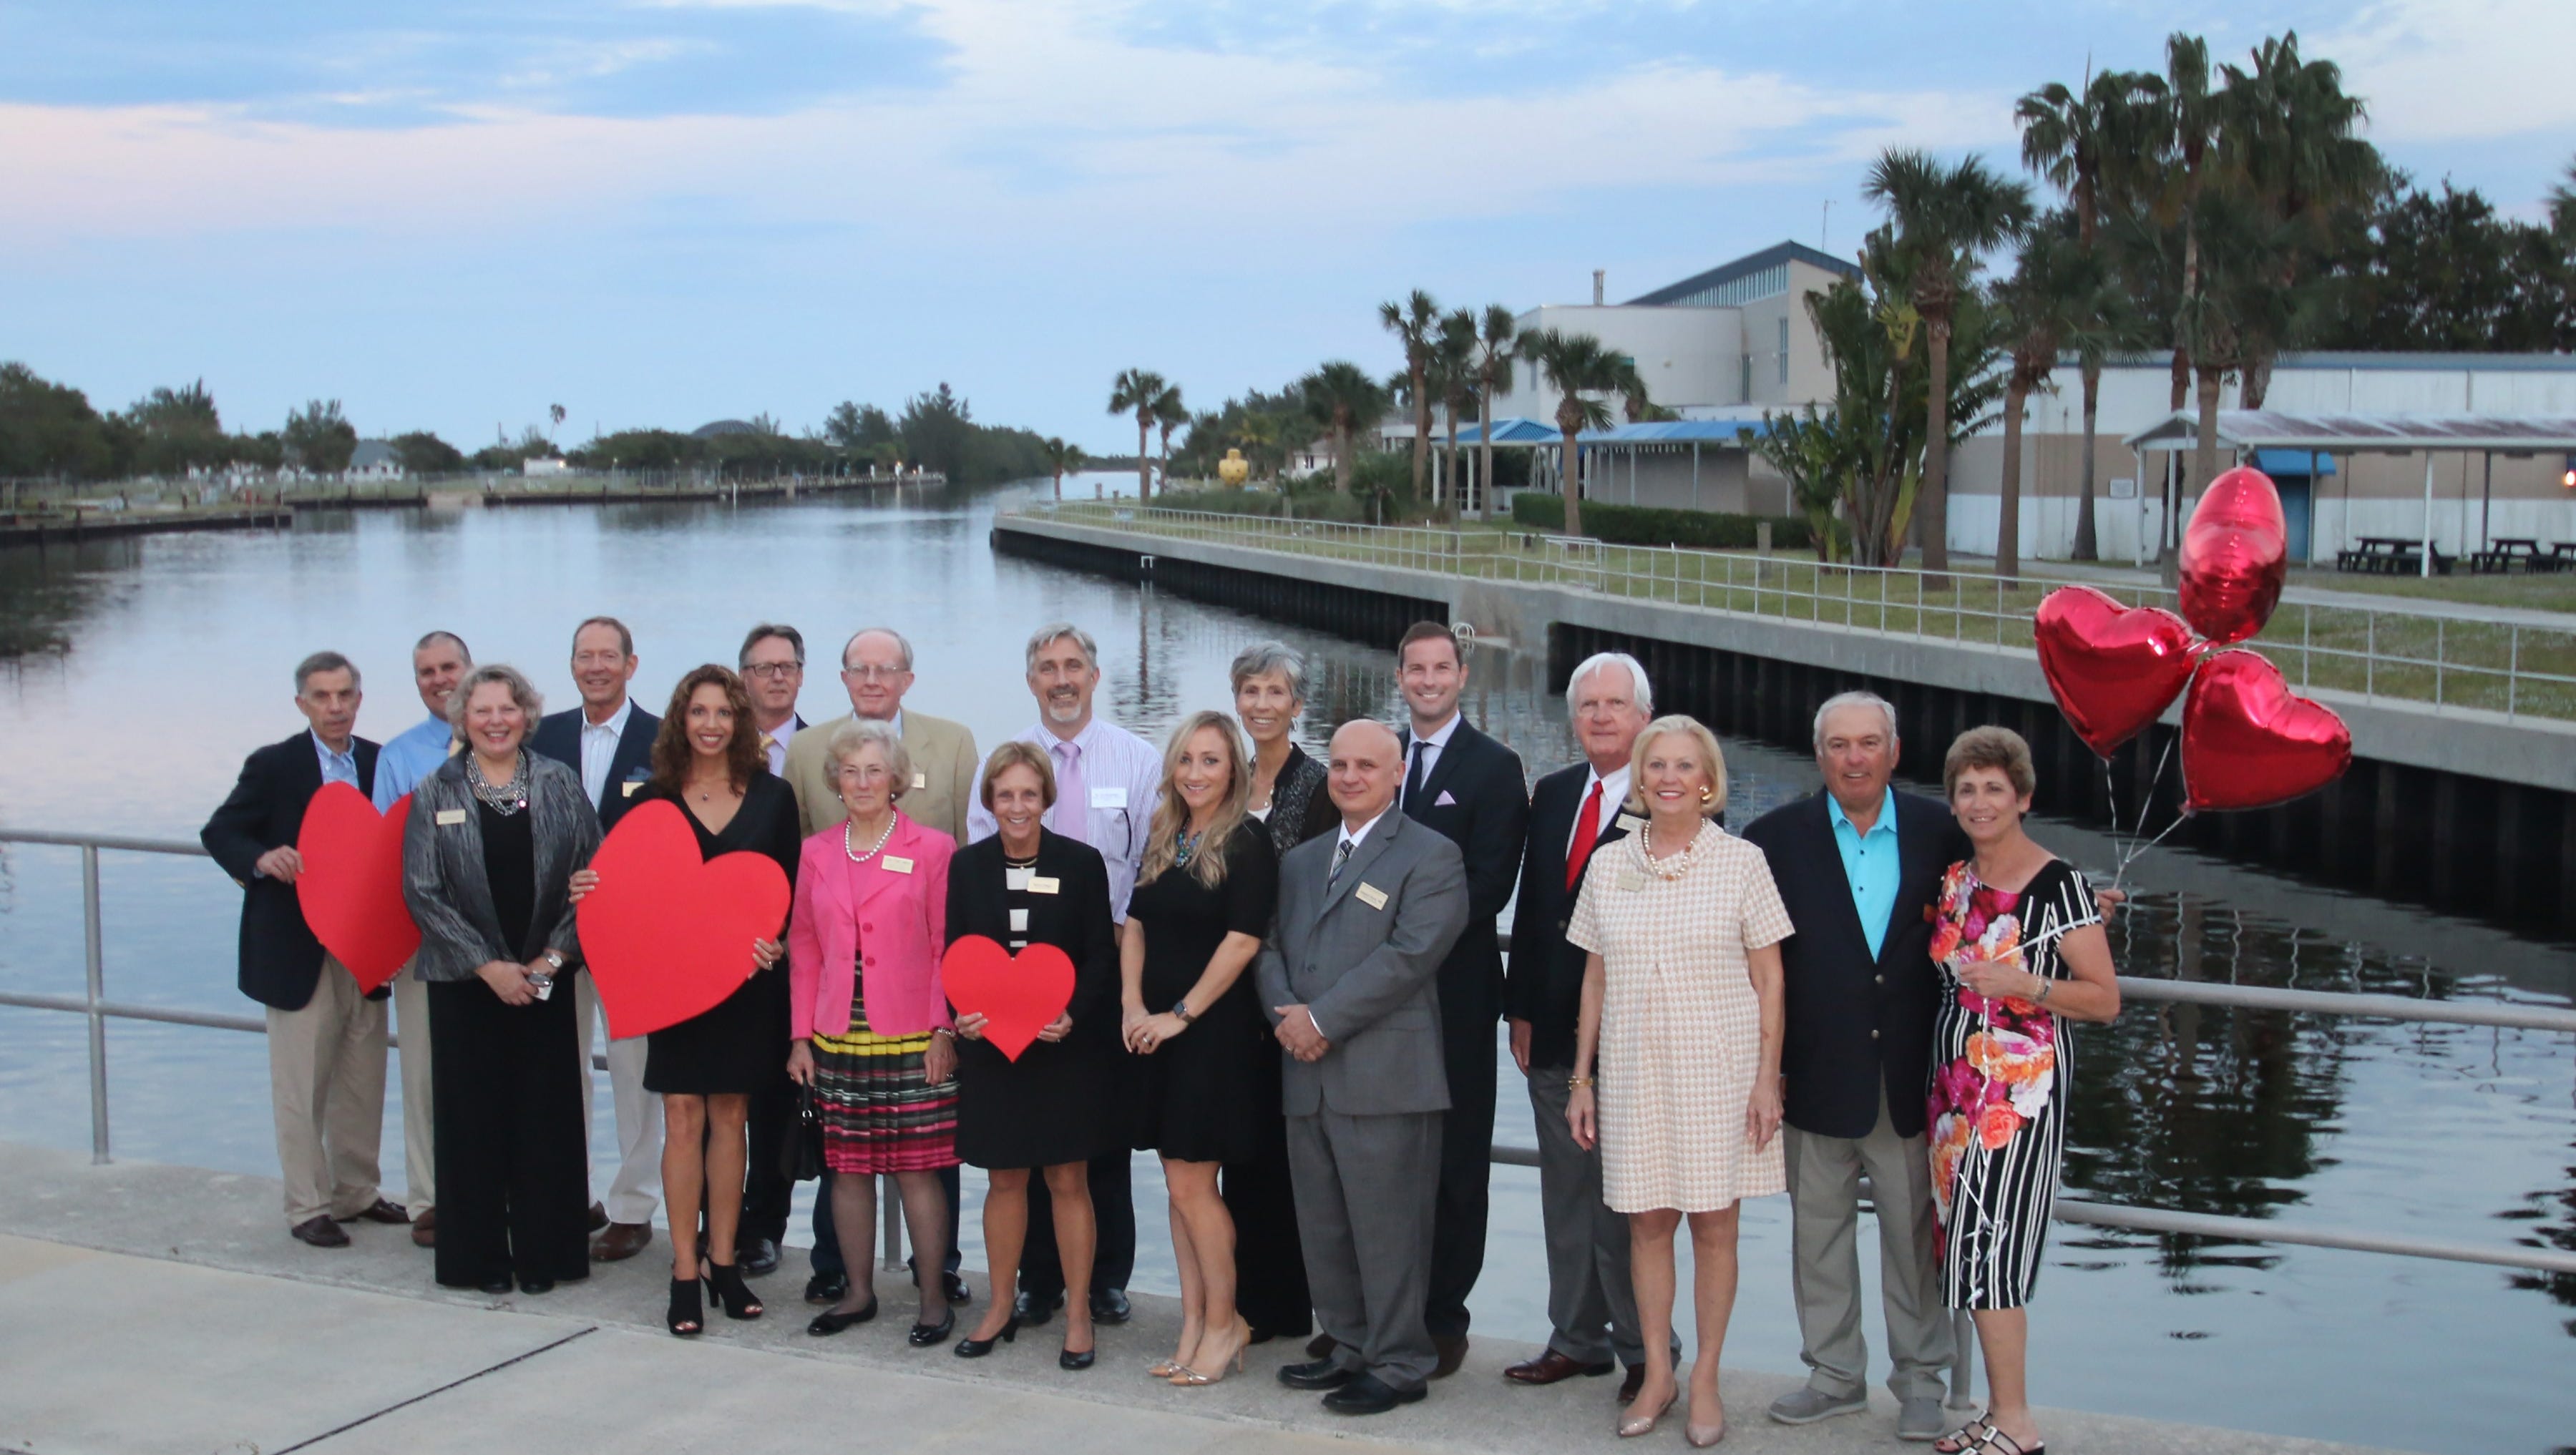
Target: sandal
[[688, 1316], [1968, 1439], [736, 1296]]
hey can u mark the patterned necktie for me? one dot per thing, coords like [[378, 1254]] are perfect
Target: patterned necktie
[[1587, 832], [1072, 799], [1341, 856]]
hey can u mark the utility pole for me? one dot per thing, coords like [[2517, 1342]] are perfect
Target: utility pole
[[1825, 234]]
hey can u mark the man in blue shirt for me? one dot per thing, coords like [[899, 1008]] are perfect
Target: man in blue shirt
[[438, 662]]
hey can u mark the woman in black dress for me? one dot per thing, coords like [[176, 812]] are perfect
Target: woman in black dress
[[707, 761], [1051, 1109], [1203, 902]]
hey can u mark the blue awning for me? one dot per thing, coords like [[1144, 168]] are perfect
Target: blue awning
[[2293, 462], [1680, 432]]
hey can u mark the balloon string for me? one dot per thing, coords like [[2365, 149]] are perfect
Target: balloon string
[[2132, 855]]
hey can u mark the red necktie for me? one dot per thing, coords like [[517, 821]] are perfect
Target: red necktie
[[1587, 829]]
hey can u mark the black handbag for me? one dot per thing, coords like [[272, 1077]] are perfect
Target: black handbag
[[801, 1159]]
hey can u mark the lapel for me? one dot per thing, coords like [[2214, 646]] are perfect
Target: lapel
[[304, 773], [1371, 849], [634, 746], [1917, 834], [872, 880], [1442, 768]]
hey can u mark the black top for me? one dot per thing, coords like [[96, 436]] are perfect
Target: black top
[[510, 869], [1857, 1024], [1300, 808], [1194, 1096], [737, 1045], [1056, 1103], [1545, 985], [1487, 817], [280, 958]]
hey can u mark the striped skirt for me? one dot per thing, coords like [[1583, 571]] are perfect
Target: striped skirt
[[879, 1113]]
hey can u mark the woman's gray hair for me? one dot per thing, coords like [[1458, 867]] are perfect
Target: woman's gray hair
[[1272, 659], [1644, 690], [1056, 631], [522, 692], [859, 732], [1841, 700]]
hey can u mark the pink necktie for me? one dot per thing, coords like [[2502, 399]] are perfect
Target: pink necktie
[[1072, 800]]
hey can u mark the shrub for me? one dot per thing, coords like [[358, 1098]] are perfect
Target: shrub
[[1642, 525]]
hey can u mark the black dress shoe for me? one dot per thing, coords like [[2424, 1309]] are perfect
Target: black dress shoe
[[319, 1232], [971, 1348], [828, 1323], [827, 1287], [1320, 1346], [498, 1286], [1032, 1310], [535, 1286], [381, 1212], [1370, 1395], [924, 1336], [954, 1285], [1073, 1359], [757, 1258], [1453, 1352], [1629, 1386], [1110, 1306], [1320, 1374]]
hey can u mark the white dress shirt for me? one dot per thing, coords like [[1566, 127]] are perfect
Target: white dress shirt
[[1614, 802], [1122, 775], [599, 748], [1432, 743], [775, 740]]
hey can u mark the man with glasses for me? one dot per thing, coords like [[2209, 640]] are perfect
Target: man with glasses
[[772, 664]]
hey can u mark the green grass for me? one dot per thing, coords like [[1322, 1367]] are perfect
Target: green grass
[[2555, 592]]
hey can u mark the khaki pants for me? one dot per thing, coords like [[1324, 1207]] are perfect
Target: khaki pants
[[1824, 1259], [326, 1079], [420, 1146], [637, 1188]]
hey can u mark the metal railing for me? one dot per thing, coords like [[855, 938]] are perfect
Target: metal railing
[[2449, 663], [99, 1009]]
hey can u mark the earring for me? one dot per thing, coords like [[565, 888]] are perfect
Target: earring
[[1707, 794]]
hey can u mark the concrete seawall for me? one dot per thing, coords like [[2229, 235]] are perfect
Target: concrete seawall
[[2462, 809]]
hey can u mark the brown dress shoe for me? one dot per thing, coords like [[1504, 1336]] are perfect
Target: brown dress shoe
[[321, 1232], [598, 1216], [1453, 1352], [1551, 1366], [424, 1228], [383, 1212], [1629, 1386], [621, 1241]]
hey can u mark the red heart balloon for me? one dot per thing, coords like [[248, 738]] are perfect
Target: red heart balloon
[[1017, 995], [2112, 668], [351, 889], [667, 935], [2248, 741], [2235, 554]]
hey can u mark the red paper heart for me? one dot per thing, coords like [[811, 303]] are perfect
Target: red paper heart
[[1017, 995], [2248, 741], [2112, 668], [351, 888], [2235, 554], [667, 935]]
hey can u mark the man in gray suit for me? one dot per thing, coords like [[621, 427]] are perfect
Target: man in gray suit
[[1365, 918]]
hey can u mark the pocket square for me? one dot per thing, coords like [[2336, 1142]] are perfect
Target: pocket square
[[1444, 800]]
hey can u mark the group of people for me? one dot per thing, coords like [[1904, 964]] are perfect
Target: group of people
[[1287, 980]]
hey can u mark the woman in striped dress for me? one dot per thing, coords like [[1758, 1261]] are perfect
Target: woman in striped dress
[[2022, 951], [870, 1027]]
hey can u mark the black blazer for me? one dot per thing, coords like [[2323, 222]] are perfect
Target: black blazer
[[1487, 817], [1074, 920], [558, 736], [1545, 983], [280, 959], [1856, 1024]]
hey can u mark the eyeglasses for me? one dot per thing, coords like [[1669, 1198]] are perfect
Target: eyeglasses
[[772, 669], [874, 674]]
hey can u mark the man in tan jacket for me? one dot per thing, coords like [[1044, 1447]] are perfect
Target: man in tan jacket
[[876, 668]]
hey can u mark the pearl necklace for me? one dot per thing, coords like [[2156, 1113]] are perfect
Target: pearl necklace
[[851, 849], [1676, 867]]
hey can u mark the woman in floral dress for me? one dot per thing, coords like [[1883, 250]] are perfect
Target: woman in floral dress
[[2021, 947]]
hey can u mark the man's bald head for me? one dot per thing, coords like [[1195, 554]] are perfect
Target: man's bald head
[[1367, 763]]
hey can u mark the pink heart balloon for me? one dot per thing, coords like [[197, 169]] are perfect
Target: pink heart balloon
[[2112, 668]]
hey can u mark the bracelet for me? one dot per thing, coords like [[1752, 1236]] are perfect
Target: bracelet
[[1577, 1083], [2045, 985]]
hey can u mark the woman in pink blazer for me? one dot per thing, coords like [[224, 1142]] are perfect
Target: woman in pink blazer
[[869, 1023]]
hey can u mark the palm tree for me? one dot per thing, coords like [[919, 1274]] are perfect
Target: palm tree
[[2562, 206], [1061, 458], [1134, 392], [1453, 382], [1945, 217], [1343, 398], [1169, 414], [1416, 324], [2052, 294], [1575, 364], [1495, 352]]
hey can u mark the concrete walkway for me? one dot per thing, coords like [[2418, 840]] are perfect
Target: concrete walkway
[[148, 1308]]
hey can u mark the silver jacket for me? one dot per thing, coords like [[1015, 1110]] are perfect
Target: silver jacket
[[450, 893]]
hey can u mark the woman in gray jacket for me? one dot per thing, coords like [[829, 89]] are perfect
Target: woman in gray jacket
[[494, 836]]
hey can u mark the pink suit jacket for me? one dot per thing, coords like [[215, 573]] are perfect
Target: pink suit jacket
[[892, 924]]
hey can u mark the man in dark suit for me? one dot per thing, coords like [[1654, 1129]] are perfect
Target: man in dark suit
[[1574, 812], [608, 740], [326, 1042], [1469, 789], [1858, 865], [772, 664]]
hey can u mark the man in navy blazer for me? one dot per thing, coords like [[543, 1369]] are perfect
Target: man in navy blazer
[[326, 1042], [1470, 790], [609, 741]]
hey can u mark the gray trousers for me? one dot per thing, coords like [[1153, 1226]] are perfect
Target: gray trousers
[[1591, 1301], [1365, 1189], [1824, 1266]]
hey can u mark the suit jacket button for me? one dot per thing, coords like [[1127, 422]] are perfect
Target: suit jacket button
[[1873, 1035], [1881, 979]]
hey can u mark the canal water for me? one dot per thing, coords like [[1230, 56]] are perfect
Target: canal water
[[134, 675]]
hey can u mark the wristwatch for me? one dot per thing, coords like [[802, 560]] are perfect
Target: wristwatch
[[555, 958], [1181, 1012]]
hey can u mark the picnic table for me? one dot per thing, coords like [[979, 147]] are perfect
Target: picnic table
[[2504, 554], [2391, 556]]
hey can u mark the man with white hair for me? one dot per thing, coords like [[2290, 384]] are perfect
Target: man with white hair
[[1591, 1305]]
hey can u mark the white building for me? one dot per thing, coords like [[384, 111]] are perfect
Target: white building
[[374, 460]]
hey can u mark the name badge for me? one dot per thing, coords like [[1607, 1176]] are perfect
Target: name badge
[[896, 864], [1042, 885], [1629, 823], [447, 816], [1370, 895], [1109, 798], [1019, 921], [1631, 881], [1017, 878], [921, 780], [630, 786]]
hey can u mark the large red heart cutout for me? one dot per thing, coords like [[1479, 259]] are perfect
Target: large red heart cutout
[[2112, 668], [1017, 995], [2235, 555], [351, 888], [667, 935], [2248, 741]]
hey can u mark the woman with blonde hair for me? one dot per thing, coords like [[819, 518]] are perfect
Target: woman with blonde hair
[[1682, 1013], [1202, 906]]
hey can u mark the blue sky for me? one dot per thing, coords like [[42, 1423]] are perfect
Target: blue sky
[[450, 215]]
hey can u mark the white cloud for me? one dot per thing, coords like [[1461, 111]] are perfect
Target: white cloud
[[2437, 70]]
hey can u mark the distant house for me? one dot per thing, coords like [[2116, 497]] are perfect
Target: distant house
[[374, 460], [543, 465]]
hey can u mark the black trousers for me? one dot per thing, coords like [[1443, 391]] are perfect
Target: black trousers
[[1466, 1172], [512, 1144], [767, 1191], [1113, 1210], [1269, 1259], [827, 1235]]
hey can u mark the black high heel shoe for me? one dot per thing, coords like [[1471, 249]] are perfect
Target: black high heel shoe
[[1076, 1358], [688, 1316], [923, 1336], [736, 1296], [978, 1348], [828, 1323]]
